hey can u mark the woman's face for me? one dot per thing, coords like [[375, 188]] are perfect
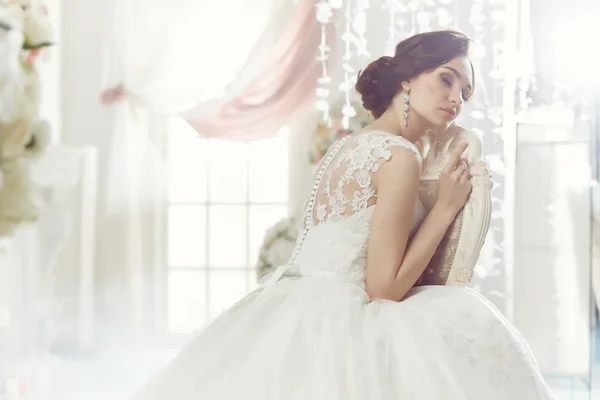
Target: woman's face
[[438, 95]]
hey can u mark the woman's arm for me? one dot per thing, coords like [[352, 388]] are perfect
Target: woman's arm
[[393, 267]]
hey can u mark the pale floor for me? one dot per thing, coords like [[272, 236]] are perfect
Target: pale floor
[[101, 378]]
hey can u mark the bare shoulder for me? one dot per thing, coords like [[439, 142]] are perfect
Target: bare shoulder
[[403, 166]]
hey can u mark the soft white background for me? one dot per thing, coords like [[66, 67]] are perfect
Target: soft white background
[[116, 367]]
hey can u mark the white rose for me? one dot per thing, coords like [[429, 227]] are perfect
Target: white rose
[[37, 28], [281, 226], [280, 252], [292, 229], [11, 42], [12, 14], [32, 90], [10, 48], [8, 106], [270, 235], [15, 136], [19, 204], [40, 139]]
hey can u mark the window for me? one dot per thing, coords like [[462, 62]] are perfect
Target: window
[[223, 196]]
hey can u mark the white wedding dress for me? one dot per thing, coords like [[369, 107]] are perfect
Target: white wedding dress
[[310, 331]]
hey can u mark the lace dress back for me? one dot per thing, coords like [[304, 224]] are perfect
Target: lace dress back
[[345, 185], [338, 212]]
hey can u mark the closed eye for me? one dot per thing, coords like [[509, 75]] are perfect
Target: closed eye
[[447, 81], [467, 92]]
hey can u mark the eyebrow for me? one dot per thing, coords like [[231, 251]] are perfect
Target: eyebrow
[[458, 75]]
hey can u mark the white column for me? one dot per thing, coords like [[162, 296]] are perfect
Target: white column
[[552, 243]]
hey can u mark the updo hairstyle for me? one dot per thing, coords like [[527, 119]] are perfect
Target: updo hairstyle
[[382, 79]]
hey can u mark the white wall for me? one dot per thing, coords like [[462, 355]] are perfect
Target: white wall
[[84, 121], [552, 285]]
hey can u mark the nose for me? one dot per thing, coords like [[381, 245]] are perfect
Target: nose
[[456, 98]]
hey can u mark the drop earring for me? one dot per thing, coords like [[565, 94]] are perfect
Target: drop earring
[[406, 98]]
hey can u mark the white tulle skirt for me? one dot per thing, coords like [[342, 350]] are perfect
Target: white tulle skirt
[[321, 339]]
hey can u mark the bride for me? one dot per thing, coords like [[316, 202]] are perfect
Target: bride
[[343, 319]]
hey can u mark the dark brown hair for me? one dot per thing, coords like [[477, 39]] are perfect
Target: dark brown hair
[[382, 79]]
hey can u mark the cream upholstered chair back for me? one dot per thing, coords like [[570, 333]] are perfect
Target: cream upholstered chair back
[[457, 254]]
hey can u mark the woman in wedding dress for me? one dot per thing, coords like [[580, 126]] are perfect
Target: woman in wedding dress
[[344, 319]]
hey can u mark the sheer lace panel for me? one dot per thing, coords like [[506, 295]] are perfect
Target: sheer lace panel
[[344, 184]]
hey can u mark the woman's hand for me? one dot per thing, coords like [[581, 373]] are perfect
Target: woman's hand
[[454, 184]]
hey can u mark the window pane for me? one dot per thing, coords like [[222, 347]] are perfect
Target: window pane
[[268, 161], [227, 236], [226, 288], [187, 166], [187, 236], [262, 218], [216, 172], [228, 171], [187, 301]]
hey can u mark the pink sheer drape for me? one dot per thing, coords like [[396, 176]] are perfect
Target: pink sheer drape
[[286, 82]]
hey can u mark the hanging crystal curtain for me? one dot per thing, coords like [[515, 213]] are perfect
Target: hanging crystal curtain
[[353, 28], [485, 22], [324, 16]]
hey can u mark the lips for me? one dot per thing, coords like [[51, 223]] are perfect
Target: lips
[[450, 112]]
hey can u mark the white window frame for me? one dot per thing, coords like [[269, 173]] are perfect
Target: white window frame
[[209, 204]]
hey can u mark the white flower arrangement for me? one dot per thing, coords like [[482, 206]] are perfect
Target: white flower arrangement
[[278, 246], [25, 32]]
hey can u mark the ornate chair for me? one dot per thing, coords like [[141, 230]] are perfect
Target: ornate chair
[[454, 260]]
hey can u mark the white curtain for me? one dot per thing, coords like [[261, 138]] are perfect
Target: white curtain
[[173, 55], [169, 56]]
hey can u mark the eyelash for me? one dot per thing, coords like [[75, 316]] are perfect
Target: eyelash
[[448, 83]]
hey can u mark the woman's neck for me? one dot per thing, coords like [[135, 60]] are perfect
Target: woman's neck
[[390, 122]]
